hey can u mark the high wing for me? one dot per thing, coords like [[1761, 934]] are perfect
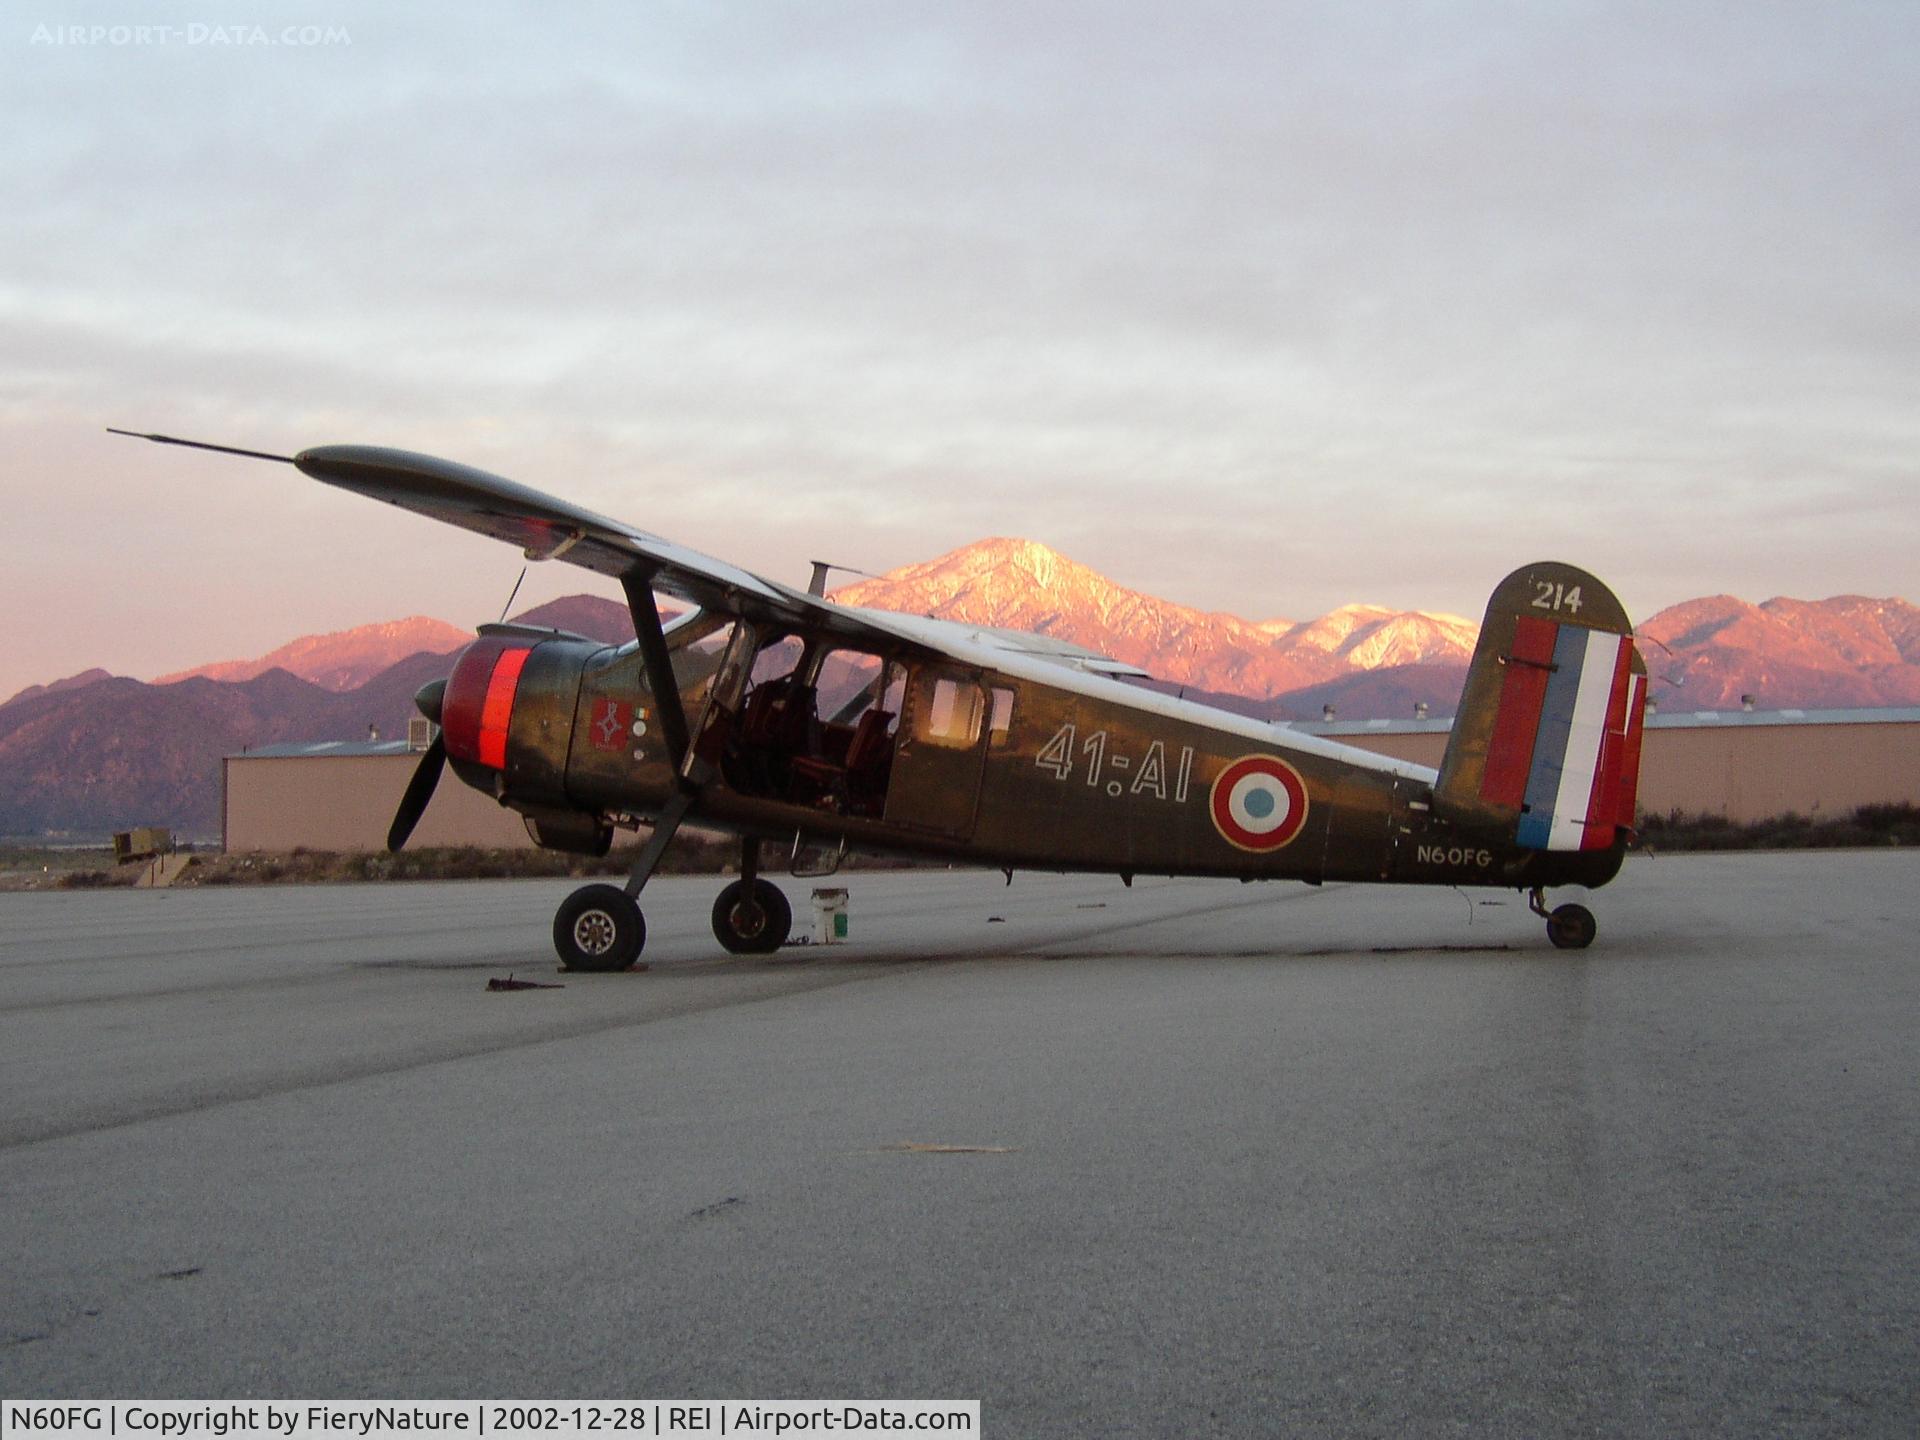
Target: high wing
[[546, 528]]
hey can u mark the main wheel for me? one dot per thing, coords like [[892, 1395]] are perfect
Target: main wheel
[[599, 927], [752, 919], [1571, 927]]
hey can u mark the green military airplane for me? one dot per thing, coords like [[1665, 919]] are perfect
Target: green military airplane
[[781, 717]]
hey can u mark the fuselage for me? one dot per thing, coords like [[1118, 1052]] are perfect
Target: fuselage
[[1021, 765]]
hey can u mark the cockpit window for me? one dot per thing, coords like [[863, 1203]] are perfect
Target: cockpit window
[[850, 684], [697, 653], [778, 659]]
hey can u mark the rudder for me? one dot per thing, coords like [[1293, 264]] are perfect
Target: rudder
[[1546, 745]]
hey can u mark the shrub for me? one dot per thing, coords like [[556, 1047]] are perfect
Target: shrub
[[1893, 824]]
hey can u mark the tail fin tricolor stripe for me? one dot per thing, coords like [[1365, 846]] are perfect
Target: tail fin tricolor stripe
[[1627, 788], [1602, 804], [1545, 749], [1567, 750], [1523, 689]]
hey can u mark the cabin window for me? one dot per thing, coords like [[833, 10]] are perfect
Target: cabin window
[[777, 659], [697, 657], [1002, 721], [953, 713], [850, 682]]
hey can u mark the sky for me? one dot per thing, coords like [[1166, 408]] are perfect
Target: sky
[[1264, 308]]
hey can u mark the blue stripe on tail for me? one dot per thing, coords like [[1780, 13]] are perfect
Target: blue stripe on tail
[[1550, 744]]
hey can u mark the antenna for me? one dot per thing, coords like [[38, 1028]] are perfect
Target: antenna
[[202, 445], [515, 591], [821, 569]]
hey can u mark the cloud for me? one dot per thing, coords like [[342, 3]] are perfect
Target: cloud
[[1269, 307]]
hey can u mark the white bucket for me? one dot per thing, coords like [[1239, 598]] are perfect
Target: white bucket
[[829, 917]]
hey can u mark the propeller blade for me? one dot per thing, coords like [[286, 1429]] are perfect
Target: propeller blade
[[413, 804]]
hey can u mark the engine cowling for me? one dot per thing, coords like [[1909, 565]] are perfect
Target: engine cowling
[[507, 717], [476, 711]]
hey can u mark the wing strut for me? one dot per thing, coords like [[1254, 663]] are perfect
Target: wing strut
[[653, 653], [665, 826]]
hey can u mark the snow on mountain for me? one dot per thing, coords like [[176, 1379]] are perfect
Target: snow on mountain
[[1026, 585]]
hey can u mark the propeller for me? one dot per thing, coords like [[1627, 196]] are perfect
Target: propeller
[[426, 776]]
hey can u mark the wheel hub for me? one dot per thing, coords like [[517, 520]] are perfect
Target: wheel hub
[[594, 932]]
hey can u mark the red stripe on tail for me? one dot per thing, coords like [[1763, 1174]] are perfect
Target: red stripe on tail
[[1523, 689], [1628, 793], [1601, 802]]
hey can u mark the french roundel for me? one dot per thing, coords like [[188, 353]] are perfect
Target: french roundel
[[1259, 802]]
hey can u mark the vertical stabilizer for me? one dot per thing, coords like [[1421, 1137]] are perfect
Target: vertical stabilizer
[[1546, 746]]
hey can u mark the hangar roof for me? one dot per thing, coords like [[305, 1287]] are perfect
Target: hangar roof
[[326, 749]]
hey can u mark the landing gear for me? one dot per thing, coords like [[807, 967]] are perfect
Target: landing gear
[[751, 917], [599, 927], [1569, 927]]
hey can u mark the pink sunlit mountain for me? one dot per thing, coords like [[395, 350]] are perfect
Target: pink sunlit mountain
[[342, 660], [1027, 586], [1847, 651]]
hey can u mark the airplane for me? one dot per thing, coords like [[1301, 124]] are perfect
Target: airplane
[[787, 720]]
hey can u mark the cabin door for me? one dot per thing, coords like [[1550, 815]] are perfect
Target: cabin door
[[941, 756]]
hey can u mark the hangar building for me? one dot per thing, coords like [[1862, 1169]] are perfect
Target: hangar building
[[1745, 765]]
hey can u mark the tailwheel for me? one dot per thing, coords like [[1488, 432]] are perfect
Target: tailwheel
[[752, 917], [599, 927], [1571, 927]]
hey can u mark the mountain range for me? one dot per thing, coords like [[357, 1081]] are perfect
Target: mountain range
[[1026, 586], [344, 659], [95, 752]]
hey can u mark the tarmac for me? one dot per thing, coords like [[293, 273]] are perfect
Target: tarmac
[[1190, 1158]]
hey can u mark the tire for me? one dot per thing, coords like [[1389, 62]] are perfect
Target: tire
[[1572, 927], [752, 921], [598, 927]]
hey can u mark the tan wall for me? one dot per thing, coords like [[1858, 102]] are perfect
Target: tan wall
[[346, 802], [1748, 772], [1754, 772]]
